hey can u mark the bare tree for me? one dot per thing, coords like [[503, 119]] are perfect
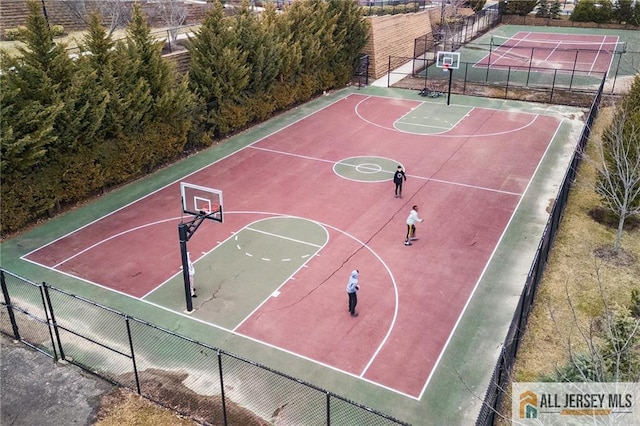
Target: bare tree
[[116, 12], [618, 165], [174, 14], [602, 348]]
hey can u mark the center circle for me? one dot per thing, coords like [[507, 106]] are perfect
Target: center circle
[[366, 169]]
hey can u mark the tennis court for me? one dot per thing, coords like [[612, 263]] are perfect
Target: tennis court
[[583, 53], [308, 199]]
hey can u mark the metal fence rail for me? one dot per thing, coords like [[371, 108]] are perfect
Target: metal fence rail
[[195, 379], [500, 379], [547, 85]]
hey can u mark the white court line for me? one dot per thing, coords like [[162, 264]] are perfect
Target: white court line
[[282, 237], [119, 234], [251, 145], [386, 267], [391, 172], [444, 134], [182, 178], [486, 266]]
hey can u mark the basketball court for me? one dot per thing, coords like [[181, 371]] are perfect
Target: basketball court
[[275, 219]]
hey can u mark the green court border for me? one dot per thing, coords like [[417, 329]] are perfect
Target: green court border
[[457, 386]]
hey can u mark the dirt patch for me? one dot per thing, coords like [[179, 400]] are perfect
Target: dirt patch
[[123, 407], [166, 388], [618, 257]]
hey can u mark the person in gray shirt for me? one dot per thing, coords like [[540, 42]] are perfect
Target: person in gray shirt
[[352, 291]]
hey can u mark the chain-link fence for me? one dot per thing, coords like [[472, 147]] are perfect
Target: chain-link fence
[[206, 383], [548, 85], [500, 380]]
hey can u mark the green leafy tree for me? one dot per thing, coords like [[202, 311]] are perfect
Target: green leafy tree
[[311, 30], [623, 11], [34, 106], [520, 7], [635, 19], [604, 14], [584, 11]]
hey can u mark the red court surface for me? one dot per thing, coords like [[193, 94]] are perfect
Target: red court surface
[[467, 181], [586, 54]]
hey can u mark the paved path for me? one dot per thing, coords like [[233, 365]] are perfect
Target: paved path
[[35, 390]]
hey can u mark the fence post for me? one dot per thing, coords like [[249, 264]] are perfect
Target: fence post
[[222, 398], [46, 301], [133, 356], [7, 299], [553, 85], [328, 408], [506, 85], [530, 65]]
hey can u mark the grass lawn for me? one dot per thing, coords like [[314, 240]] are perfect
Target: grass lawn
[[577, 284]]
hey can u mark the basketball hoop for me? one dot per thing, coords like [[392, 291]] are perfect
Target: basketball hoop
[[445, 68]]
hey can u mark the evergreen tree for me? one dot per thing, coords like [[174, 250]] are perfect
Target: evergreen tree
[[31, 101], [623, 11], [350, 35], [312, 29], [265, 56], [555, 10], [543, 9], [219, 72], [520, 7]]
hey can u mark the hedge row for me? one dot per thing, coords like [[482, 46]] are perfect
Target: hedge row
[[72, 128]]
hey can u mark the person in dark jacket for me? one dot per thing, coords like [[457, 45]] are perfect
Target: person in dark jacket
[[398, 178]]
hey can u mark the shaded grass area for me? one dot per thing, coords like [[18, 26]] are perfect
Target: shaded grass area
[[578, 281]]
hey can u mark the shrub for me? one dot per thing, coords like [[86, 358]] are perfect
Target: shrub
[[57, 30], [12, 34], [635, 303]]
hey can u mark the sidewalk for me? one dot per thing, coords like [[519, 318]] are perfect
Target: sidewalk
[[397, 75], [35, 390]]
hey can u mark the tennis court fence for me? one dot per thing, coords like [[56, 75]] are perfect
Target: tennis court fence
[[528, 82], [194, 379], [530, 79], [500, 382]]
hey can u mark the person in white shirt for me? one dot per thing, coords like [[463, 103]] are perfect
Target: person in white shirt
[[411, 226]]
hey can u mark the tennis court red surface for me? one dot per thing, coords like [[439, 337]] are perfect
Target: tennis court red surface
[[467, 181], [584, 53]]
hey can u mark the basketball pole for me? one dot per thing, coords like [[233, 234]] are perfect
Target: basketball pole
[[449, 91], [185, 232]]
